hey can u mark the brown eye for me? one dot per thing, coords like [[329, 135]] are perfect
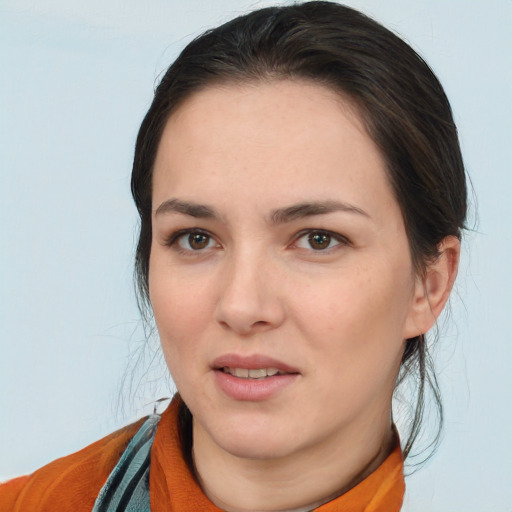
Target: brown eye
[[319, 241], [197, 241], [192, 241]]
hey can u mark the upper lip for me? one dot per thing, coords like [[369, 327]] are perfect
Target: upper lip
[[252, 362]]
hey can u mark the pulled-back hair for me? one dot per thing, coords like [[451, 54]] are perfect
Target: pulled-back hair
[[402, 103]]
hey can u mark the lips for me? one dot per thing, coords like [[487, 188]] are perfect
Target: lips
[[254, 366], [252, 378]]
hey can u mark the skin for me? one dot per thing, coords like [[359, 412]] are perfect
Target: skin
[[339, 316]]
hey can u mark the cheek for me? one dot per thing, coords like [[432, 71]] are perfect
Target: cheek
[[181, 308], [355, 319], [354, 336]]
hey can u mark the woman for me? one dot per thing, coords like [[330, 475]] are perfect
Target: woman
[[301, 193]]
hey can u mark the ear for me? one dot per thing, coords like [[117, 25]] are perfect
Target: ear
[[432, 289]]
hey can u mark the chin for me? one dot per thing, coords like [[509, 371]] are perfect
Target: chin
[[253, 438], [256, 447]]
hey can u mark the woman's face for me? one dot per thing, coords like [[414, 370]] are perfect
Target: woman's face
[[280, 273]]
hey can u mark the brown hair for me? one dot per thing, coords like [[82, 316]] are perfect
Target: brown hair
[[401, 101]]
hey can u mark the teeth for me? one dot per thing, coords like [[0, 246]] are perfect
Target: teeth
[[241, 372], [259, 373]]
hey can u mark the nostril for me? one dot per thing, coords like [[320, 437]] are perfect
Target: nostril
[[260, 324], [248, 312]]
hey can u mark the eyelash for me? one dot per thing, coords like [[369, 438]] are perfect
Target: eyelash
[[340, 239], [174, 239]]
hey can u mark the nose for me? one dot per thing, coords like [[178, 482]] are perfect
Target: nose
[[250, 296]]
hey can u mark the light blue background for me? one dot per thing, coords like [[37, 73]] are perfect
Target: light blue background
[[76, 79]]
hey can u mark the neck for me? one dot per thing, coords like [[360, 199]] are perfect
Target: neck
[[299, 482]]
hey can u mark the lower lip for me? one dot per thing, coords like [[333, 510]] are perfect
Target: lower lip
[[253, 390]]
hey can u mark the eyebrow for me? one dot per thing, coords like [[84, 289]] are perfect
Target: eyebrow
[[278, 216], [199, 211], [308, 209]]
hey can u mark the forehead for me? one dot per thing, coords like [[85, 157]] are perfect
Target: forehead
[[283, 138], [284, 111]]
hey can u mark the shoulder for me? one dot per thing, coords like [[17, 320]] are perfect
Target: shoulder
[[69, 483]]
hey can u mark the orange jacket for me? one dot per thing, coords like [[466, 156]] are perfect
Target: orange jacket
[[72, 483]]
